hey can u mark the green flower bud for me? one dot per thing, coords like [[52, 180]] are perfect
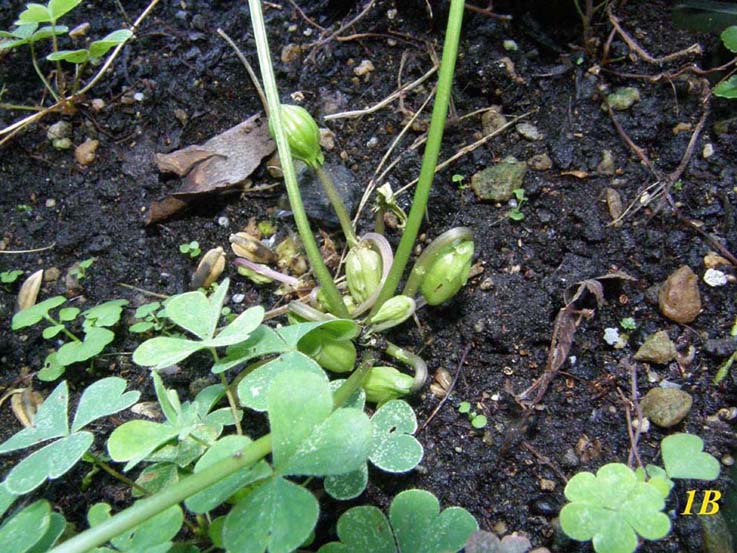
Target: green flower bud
[[363, 272], [302, 133], [334, 355], [447, 274], [394, 312], [386, 383]]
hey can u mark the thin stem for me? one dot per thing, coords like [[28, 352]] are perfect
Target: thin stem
[[40, 74], [117, 475], [64, 330], [432, 151], [332, 295], [337, 202], [60, 82], [414, 361], [229, 395]]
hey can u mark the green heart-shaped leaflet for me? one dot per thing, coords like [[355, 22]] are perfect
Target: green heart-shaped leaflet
[[50, 422], [308, 437], [34, 314], [684, 457], [393, 447], [362, 530], [28, 527], [102, 398], [277, 515]]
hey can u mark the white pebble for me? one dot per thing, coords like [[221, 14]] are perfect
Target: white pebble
[[611, 336], [238, 298], [715, 278], [223, 221]]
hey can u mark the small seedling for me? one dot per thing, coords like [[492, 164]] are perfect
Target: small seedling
[[9, 277], [24, 208], [515, 214], [150, 317], [678, 185], [192, 249], [615, 506], [628, 323], [458, 181], [80, 271], [476, 420]]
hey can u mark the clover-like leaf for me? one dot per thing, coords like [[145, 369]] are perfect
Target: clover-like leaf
[[253, 389], [50, 422], [100, 47], [362, 530], [34, 314], [6, 499], [57, 8], [47, 32], [727, 89], [192, 311], [684, 457], [134, 440], [393, 448], [95, 340], [276, 515], [152, 536], [657, 477], [240, 329], [347, 486], [211, 497], [417, 526], [105, 314], [156, 477], [57, 525], [308, 437], [729, 38], [76, 57], [68, 314], [102, 398], [611, 508], [24, 529], [49, 462], [35, 13], [164, 351]]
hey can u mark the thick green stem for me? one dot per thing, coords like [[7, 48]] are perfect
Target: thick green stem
[[332, 295], [144, 509], [337, 202], [414, 361], [432, 151]]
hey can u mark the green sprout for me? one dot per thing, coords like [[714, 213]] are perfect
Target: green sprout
[[24, 208], [80, 271], [458, 181], [628, 323], [615, 506], [477, 421], [9, 277], [515, 214], [727, 88], [192, 249]]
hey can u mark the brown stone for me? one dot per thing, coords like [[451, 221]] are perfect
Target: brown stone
[[679, 297]]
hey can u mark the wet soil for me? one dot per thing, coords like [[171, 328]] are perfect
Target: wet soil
[[509, 474]]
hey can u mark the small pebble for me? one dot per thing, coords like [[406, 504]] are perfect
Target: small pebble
[[59, 130], [85, 152], [666, 407], [479, 326], [547, 485], [570, 459], [223, 221], [372, 142], [529, 131], [510, 46], [727, 460], [715, 278], [708, 150], [364, 68], [645, 425], [391, 14], [679, 297], [486, 284], [238, 298], [51, 202], [540, 162], [138, 97]]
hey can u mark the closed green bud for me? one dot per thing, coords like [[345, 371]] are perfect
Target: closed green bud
[[334, 355], [386, 383], [394, 312], [302, 134], [447, 274], [363, 272]]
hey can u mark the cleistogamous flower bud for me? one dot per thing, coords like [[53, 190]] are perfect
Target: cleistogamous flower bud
[[302, 134], [394, 312], [447, 274], [363, 272], [386, 383], [338, 356]]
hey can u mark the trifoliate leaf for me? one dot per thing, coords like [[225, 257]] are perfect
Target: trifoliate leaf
[[211, 497], [49, 462], [240, 329], [611, 508], [684, 457], [24, 529], [50, 422], [393, 448], [276, 515], [57, 8], [32, 315], [102, 398], [104, 315], [308, 437], [95, 340], [727, 89], [192, 311], [100, 47]]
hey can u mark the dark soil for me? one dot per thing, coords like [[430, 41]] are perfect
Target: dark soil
[[179, 63]]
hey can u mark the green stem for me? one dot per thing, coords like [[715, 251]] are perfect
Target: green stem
[[332, 295], [432, 151], [40, 74], [155, 504], [64, 330], [117, 475], [414, 361], [229, 394], [61, 84], [337, 202]]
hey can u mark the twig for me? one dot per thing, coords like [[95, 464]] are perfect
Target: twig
[[544, 460], [35, 250], [322, 40], [468, 149], [386, 101], [449, 390], [488, 13], [249, 70], [142, 291], [306, 17], [642, 53]]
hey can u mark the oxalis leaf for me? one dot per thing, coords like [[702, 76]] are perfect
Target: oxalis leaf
[[153, 536], [24, 529], [102, 398], [95, 340], [417, 526], [729, 38], [308, 437], [612, 508], [276, 515], [34, 314], [393, 449], [684, 457]]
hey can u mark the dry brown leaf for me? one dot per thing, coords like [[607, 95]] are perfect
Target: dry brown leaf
[[575, 173], [28, 293], [25, 403], [210, 268]]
